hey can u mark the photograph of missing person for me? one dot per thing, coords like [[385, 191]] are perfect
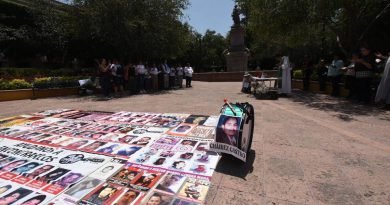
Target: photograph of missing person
[[98, 135], [93, 146], [65, 140], [199, 168], [195, 189], [110, 137], [105, 194], [5, 188], [108, 148], [196, 119], [142, 158], [53, 175], [69, 179], [147, 180], [142, 141], [6, 160], [228, 130], [15, 196], [25, 168], [182, 129], [112, 128], [126, 138], [127, 151], [128, 198], [125, 176], [51, 140], [168, 140], [8, 167], [180, 165], [38, 171], [76, 144], [187, 155], [157, 198], [167, 154], [106, 171], [36, 200], [81, 189], [160, 161], [171, 183]]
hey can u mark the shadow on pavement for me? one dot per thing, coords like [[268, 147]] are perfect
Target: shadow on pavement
[[235, 167], [345, 109]]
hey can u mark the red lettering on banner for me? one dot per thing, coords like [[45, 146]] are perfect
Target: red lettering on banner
[[53, 189], [8, 175], [21, 180], [36, 184]]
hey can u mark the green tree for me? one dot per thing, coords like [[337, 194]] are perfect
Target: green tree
[[316, 24], [142, 29]]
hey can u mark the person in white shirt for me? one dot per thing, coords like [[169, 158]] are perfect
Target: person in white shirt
[[141, 71], [334, 73], [188, 71], [179, 73]]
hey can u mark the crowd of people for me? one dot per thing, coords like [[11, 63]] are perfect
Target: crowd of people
[[116, 79], [366, 75]]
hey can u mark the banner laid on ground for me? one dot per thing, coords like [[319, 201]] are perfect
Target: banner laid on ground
[[70, 157]]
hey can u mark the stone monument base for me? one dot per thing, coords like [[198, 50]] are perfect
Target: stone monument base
[[237, 61]]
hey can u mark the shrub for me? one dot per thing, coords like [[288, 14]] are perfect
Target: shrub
[[14, 84], [297, 74]]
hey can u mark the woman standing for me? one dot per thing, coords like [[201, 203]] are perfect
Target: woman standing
[[105, 77]]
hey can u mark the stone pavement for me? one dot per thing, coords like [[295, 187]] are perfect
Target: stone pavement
[[307, 149]]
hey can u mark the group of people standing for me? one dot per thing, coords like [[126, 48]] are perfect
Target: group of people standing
[[141, 77], [358, 74]]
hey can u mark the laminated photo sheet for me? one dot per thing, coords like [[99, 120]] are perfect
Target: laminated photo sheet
[[178, 189], [25, 194], [45, 169], [198, 162], [98, 177]]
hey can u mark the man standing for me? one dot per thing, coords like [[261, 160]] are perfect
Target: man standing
[[188, 71]]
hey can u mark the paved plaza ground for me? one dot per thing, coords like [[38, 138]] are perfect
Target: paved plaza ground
[[307, 149]]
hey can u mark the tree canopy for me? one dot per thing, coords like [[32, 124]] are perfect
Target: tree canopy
[[324, 25]]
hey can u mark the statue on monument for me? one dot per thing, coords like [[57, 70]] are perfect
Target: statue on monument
[[236, 15]]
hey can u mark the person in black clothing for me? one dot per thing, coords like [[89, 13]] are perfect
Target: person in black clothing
[[322, 71], [307, 72], [364, 67]]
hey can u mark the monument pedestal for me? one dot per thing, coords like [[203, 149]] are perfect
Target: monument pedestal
[[237, 55], [237, 61]]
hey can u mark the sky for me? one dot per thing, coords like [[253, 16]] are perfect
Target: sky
[[208, 14]]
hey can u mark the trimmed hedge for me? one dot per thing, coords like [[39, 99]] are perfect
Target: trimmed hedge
[[14, 84], [41, 83], [57, 82]]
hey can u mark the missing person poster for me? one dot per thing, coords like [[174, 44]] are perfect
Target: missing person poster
[[228, 137]]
